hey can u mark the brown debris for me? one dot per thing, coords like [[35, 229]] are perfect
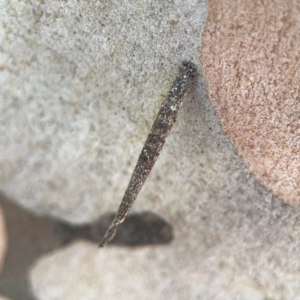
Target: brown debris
[[3, 239]]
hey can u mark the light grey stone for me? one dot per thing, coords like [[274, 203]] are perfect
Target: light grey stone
[[81, 83]]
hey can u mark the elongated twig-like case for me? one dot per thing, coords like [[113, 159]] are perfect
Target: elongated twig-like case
[[154, 144]]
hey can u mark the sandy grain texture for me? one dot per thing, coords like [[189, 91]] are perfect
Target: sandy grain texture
[[251, 62], [81, 84]]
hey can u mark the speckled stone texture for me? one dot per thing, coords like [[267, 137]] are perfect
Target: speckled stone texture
[[82, 83], [251, 62]]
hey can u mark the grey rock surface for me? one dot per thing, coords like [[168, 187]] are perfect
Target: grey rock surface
[[81, 84]]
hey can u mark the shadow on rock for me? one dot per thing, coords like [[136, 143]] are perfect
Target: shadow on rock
[[30, 237]]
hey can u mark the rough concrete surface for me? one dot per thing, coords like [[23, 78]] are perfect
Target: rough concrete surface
[[82, 82]]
